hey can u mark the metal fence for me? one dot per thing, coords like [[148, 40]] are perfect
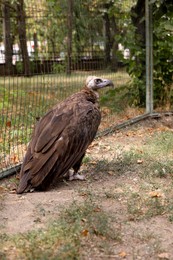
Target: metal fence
[[28, 90]]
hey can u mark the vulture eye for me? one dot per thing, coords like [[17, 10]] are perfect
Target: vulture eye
[[97, 81]]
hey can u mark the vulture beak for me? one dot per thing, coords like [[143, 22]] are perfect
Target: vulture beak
[[96, 83], [104, 83]]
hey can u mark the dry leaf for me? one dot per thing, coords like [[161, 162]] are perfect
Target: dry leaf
[[97, 209], [110, 172], [94, 162], [140, 161], [155, 194], [15, 159], [163, 128], [93, 144], [83, 194], [8, 123], [2, 189], [123, 254], [85, 232], [163, 256]]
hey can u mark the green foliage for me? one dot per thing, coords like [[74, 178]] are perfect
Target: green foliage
[[162, 53], [19, 67], [58, 68], [117, 99], [163, 62]]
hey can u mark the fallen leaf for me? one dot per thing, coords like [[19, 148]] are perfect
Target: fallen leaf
[[123, 254], [163, 256], [140, 161], [163, 128], [97, 209], [2, 189], [8, 123], [155, 194], [94, 162], [83, 194], [15, 159], [93, 144], [85, 232], [110, 172]]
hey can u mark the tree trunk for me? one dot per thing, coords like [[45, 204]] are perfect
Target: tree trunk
[[22, 36], [114, 63], [8, 42], [107, 39], [35, 46], [69, 37], [137, 16]]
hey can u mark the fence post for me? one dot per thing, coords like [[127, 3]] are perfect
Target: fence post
[[149, 56]]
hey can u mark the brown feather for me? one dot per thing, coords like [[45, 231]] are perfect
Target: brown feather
[[60, 140]]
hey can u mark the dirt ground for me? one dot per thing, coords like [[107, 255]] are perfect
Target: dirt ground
[[147, 238]]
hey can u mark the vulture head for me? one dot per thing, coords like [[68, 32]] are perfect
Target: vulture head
[[96, 83]]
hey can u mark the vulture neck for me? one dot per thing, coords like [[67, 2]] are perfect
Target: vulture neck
[[91, 95]]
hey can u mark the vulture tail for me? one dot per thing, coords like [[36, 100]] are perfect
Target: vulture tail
[[23, 185], [29, 181]]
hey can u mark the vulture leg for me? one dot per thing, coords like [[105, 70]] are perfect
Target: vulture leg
[[74, 175]]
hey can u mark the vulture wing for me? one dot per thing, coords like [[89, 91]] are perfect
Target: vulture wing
[[59, 141]]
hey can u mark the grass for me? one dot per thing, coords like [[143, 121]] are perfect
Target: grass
[[155, 157], [122, 213], [23, 100], [150, 168], [130, 191], [66, 238], [46, 90]]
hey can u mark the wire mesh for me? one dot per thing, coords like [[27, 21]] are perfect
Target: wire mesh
[[39, 66]]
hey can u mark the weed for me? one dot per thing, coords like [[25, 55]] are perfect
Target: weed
[[161, 169], [86, 159], [156, 206], [63, 238], [141, 205], [134, 206], [160, 144], [170, 210]]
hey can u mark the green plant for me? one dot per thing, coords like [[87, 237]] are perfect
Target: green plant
[[19, 67], [58, 68], [162, 53]]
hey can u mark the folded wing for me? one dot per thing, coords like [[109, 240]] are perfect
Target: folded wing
[[59, 141]]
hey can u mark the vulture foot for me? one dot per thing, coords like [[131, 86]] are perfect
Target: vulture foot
[[75, 176]]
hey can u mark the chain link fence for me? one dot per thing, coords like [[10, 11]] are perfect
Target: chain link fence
[[45, 57]]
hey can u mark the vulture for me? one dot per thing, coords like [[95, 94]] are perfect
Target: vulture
[[61, 138]]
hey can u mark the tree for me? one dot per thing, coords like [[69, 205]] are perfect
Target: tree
[[21, 16], [134, 39], [138, 20], [14, 16], [110, 11], [69, 36], [163, 49], [8, 41]]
